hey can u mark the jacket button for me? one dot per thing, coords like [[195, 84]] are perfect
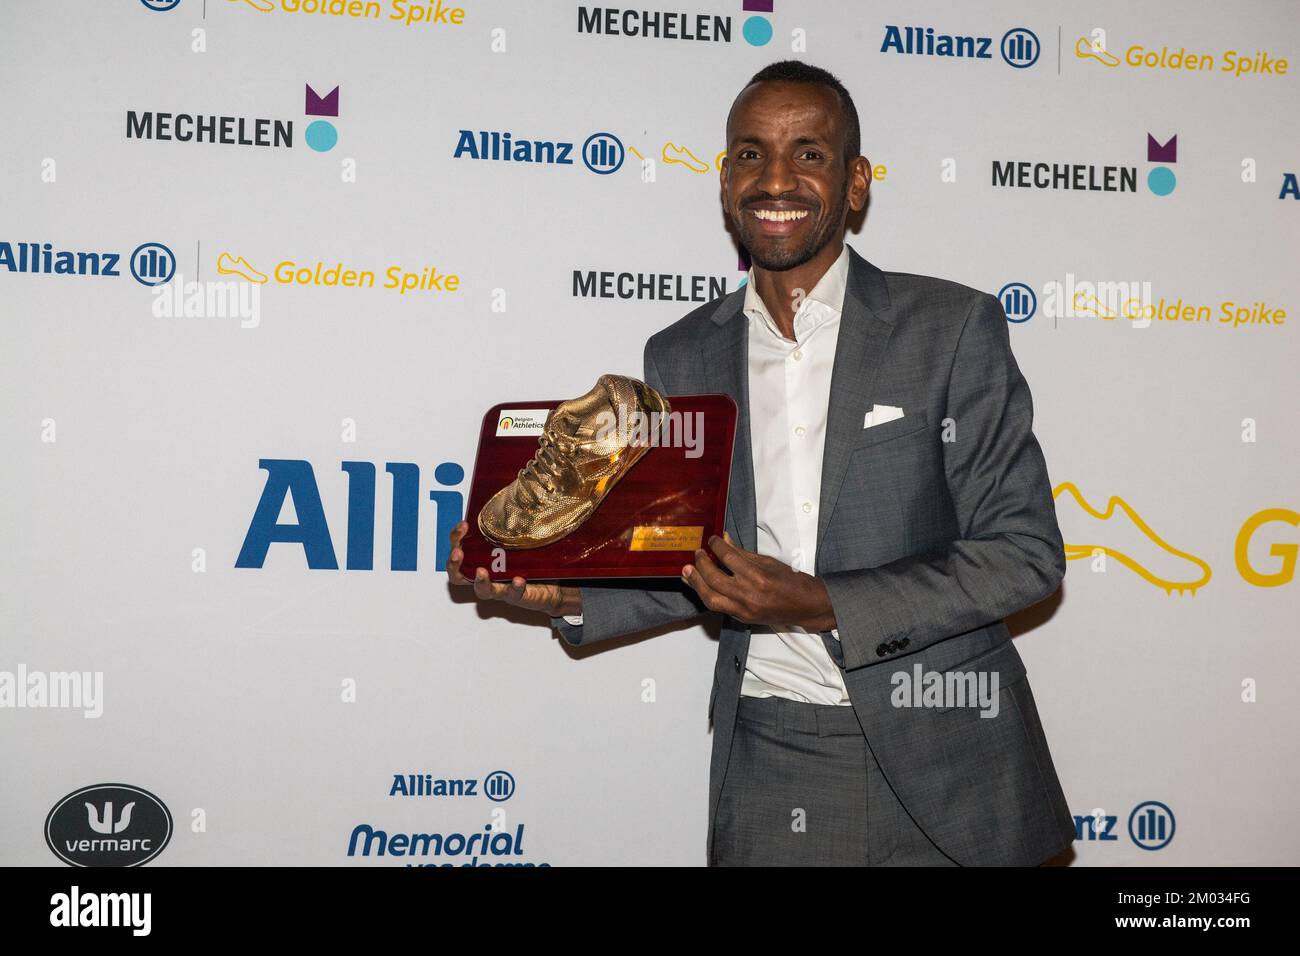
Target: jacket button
[[736, 661], [893, 646], [904, 642], [881, 650]]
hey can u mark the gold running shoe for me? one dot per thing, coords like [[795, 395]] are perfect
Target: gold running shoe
[[587, 445]]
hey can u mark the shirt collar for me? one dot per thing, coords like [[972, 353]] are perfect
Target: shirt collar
[[828, 292]]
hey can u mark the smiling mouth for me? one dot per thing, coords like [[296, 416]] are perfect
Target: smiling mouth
[[779, 215]]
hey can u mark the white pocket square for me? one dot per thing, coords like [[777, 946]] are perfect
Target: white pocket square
[[880, 414]]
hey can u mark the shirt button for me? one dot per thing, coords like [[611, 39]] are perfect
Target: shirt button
[[807, 507], [800, 431], [797, 354]]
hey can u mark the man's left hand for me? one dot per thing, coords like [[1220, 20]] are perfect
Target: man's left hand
[[759, 589]]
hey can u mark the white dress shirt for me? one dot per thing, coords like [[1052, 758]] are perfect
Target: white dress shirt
[[789, 395]]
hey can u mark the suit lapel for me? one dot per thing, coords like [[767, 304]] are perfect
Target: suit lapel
[[865, 329], [726, 365]]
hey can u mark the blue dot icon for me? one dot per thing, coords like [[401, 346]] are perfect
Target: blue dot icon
[[321, 136], [1162, 180], [757, 31], [449, 473]]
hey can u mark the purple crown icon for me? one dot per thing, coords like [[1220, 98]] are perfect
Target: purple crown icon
[[327, 105], [1168, 153]]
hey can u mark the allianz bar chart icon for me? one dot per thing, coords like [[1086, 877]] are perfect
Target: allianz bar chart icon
[[1018, 301], [152, 264], [1151, 825], [602, 153]]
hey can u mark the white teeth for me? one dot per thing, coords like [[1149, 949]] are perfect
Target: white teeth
[[779, 216]]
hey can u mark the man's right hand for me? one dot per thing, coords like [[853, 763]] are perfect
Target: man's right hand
[[553, 599]]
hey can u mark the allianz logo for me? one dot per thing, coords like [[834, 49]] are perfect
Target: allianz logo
[[311, 536], [601, 153], [1019, 46], [498, 786], [150, 264]]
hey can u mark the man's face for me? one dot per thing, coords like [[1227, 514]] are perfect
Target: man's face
[[786, 182]]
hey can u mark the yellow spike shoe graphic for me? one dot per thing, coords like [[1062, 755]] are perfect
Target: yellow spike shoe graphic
[[1084, 50], [1127, 537], [1085, 303], [228, 265], [682, 155], [263, 6]]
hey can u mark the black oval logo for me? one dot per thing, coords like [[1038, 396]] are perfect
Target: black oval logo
[[109, 824]]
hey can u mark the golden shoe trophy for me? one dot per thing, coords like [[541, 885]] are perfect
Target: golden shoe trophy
[[618, 483], [580, 457]]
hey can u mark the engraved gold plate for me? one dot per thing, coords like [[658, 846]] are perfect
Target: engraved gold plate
[[666, 537]]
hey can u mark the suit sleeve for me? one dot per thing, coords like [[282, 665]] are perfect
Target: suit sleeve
[[612, 611], [1009, 553]]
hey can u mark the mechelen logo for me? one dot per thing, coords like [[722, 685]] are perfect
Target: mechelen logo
[[293, 481], [602, 153], [1090, 177], [1161, 179], [643, 24], [109, 824], [321, 134], [1019, 46], [661, 286], [150, 263], [230, 130]]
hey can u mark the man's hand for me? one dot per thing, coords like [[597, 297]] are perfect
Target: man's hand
[[553, 599], [760, 589]]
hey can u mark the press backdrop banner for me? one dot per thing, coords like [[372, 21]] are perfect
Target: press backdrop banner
[[264, 265]]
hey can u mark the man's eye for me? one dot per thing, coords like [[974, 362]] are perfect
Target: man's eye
[[748, 154], [811, 154]]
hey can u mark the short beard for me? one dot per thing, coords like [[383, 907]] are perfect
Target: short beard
[[785, 259]]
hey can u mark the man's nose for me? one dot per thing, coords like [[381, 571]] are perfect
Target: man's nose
[[777, 177]]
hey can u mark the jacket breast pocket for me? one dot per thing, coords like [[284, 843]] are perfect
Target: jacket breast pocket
[[888, 431]]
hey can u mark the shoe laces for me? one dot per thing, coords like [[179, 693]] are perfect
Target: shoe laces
[[546, 468]]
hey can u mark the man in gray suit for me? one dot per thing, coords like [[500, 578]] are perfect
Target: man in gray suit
[[889, 506]]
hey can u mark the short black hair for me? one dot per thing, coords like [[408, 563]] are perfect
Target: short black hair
[[796, 71]]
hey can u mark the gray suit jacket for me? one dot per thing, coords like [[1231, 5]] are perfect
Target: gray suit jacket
[[927, 538]]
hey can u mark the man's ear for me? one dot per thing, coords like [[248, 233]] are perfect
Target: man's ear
[[859, 183]]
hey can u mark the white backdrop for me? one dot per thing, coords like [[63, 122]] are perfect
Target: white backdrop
[[271, 707]]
